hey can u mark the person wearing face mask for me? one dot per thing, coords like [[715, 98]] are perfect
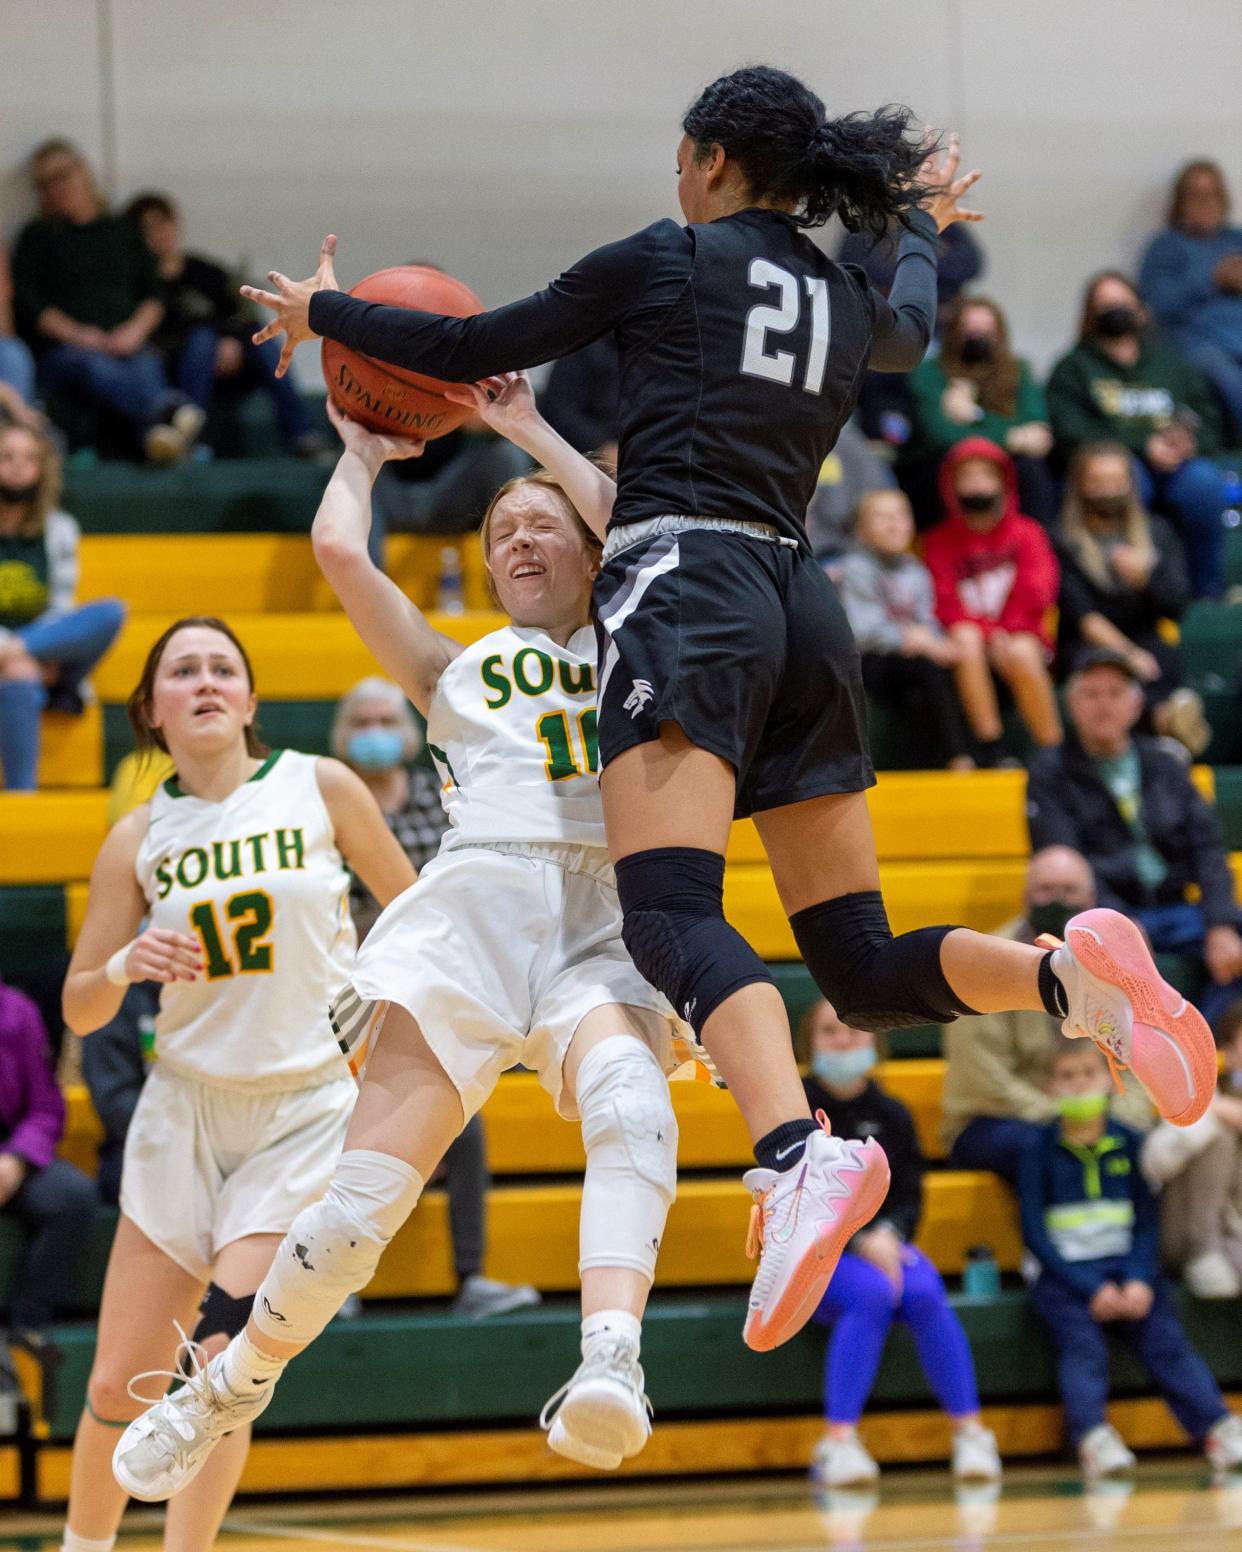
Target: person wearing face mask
[[994, 1100], [995, 575], [48, 643], [1198, 1172], [1191, 277], [1123, 571], [976, 386], [882, 1277], [1120, 384], [1090, 1220]]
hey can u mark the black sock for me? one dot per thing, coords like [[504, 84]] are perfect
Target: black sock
[[1051, 990], [785, 1144]]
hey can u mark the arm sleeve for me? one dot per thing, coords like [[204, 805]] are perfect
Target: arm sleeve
[[1080, 1276], [1142, 1262], [36, 1134], [904, 322], [580, 305], [873, 629]]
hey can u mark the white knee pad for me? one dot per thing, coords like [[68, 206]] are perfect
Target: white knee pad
[[630, 1134], [333, 1247]]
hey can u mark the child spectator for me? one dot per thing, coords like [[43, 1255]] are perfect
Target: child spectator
[[977, 387], [882, 1277], [1123, 572], [906, 657], [52, 1201], [996, 584], [1118, 384], [48, 643], [1198, 1170], [1090, 1221]]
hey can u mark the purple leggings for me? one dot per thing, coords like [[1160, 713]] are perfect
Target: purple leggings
[[859, 1307]]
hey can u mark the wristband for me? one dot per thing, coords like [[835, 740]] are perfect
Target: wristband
[[115, 968]]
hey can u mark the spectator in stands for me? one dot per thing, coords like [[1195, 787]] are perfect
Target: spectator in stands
[[86, 296], [204, 336], [48, 643], [882, 1277], [1198, 1171], [1118, 384], [851, 471], [115, 1062], [907, 659], [17, 370], [52, 1201], [1191, 277], [994, 1099], [1089, 1219], [582, 395], [1123, 571], [1132, 810], [977, 387], [375, 733], [996, 584]]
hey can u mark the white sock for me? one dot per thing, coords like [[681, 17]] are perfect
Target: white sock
[[72, 1542], [605, 1324], [244, 1366]]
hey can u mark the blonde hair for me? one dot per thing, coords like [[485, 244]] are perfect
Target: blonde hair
[[542, 479], [374, 689], [1085, 545], [869, 498], [47, 493]]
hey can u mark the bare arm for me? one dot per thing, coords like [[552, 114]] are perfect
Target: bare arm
[[362, 833], [398, 634], [507, 405]]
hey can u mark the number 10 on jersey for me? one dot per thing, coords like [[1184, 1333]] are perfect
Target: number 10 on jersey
[[563, 750]]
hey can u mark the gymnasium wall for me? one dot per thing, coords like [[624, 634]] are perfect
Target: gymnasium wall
[[503, 137]]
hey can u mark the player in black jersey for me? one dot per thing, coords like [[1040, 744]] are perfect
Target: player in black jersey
[[729, 681]]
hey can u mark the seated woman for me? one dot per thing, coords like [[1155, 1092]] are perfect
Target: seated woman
[[882, 1277], [1122, 572], [976, 386], [47, 643]]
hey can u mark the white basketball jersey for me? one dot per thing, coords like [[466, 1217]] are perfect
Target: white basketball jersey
[[257, 879], [511, 729]]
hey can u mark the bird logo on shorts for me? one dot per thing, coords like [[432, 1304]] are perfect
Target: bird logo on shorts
[[639, 696]]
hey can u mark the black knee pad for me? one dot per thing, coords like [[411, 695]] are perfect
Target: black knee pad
[[675, 930], [221, 1312], [874, 980]]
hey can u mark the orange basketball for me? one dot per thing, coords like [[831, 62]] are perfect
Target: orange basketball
[[388, 398]]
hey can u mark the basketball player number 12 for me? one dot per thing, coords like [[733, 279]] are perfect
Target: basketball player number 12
[[783, 317], [251, 915]]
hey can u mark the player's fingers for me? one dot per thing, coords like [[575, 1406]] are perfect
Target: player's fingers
[[966, 181], [286, 356], [264, 298], [326, 273], [952, 156], [282, 282], [267, 332], [971, 215], [466, 393]]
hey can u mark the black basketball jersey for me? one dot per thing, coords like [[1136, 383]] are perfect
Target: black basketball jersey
[[742, 349]]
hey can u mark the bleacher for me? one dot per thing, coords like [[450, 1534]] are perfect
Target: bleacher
[[407, 1393]]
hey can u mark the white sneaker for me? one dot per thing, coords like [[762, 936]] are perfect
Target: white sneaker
[[800, 1223], [975, 1456], [1223, 1445], [602, 1416], [1103, 1453], [165, 1449], [843, 1462], [1212, 1276], [478, 1297]]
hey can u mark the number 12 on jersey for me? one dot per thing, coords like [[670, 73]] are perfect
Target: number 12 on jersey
[[554, 733], [251, 915], [783, 317]]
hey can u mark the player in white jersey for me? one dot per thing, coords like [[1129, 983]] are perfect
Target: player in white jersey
[[508, 950], [237, 865]]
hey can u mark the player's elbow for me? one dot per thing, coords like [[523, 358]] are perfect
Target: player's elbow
[[337, 553]]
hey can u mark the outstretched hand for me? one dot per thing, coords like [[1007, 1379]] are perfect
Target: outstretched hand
[[372, 446], [505, 403], [944, 188], [291, 304]]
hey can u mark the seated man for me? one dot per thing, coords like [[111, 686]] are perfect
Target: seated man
[[995, 1100], [86, 299], [1132, 810]]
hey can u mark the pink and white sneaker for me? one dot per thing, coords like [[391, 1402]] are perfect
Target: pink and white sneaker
[[1118, 997], [800, 1223]]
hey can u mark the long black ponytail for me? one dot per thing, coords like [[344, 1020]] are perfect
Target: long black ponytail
[[862, 167]]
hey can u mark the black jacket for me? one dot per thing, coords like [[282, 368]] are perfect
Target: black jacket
[[877, 1114], [1135, 611], [1067, 804]]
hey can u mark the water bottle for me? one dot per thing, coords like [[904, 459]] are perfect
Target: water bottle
[[980, 1275], [1232, 515], [451, 596]]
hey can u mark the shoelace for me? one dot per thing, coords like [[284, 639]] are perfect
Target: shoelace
[[1115, 1065], [757, 1227], [608, 1355], [195, 1381]]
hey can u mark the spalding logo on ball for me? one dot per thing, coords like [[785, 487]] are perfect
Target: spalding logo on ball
[[385, 397]]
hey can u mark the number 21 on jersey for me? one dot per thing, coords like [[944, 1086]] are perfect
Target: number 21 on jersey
[[783, 317]]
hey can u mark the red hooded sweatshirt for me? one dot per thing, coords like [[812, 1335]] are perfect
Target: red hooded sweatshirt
[[1005, 579]]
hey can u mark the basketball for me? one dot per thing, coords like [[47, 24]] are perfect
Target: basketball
[[388, 398]]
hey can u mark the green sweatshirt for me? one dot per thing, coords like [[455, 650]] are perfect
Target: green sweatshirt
[[1092, 399], [932, 433]]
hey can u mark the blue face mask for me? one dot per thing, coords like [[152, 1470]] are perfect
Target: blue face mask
[[375, 748], [843, 1066]]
